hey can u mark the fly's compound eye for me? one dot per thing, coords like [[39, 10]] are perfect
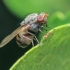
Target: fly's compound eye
[[40, 19]]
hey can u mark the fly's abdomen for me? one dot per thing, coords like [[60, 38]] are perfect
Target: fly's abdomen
[[24, 40]]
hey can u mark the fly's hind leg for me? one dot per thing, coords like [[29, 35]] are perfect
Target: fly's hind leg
[[34, 37], [30, 40]]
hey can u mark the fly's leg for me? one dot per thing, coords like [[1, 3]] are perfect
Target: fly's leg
[[47, 30], [34, 37], [40, 30], [40, 44], [29, 39]]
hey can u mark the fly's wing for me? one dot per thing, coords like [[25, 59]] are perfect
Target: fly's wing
[[10, 37]]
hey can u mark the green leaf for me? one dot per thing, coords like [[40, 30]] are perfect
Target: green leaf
[[52, 54]]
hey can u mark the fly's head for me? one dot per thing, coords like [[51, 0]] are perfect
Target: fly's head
[[42, 18]]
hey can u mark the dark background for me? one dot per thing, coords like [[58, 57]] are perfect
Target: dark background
[[10, 52]]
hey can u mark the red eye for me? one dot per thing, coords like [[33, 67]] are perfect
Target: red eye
[[40, 19]]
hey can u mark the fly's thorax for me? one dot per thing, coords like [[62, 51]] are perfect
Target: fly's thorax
[[31, 18], [34, 28]]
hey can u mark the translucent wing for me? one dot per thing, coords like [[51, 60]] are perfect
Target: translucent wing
[[10, 37]]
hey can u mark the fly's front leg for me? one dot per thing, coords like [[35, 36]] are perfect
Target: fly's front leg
[[29, 39], [35, 37]]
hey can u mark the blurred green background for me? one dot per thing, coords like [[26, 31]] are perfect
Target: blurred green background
[[12, 12], [20, 8]]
